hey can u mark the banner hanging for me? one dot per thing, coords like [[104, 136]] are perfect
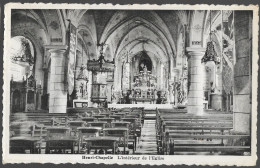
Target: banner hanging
[[72, 57]]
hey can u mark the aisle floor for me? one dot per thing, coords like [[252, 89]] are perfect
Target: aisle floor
[[147, 142]]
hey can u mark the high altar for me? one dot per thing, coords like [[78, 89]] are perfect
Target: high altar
[[144, 87]]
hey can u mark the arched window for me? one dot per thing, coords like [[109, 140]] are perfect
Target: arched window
[[22, 57]]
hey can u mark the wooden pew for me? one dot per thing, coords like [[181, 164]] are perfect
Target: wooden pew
[[207, 147], [56, 120], [121, 133], [99, 116], [116, 117], [172, 122], [104, 143], [108, 120], [190, 121], [132, 138], [100, 124], [74, 125], [59, 140], [222, 149], [25, 136], [189, 118], [182, 128], [88, 119], [86, 132], [133, 129]]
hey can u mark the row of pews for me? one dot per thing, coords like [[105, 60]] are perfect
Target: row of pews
[[178, 132], [88, 130]]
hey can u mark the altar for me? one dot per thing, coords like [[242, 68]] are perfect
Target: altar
[[143, 100], [145, 106], [82, 103], [144, 87]]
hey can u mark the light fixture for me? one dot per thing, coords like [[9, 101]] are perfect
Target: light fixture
[[25, 57], [210, 54], [101, 65]]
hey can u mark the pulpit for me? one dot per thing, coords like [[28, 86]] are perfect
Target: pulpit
[[98, 92], [98, 67]]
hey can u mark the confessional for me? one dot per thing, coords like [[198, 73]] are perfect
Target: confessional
[[25, 95]]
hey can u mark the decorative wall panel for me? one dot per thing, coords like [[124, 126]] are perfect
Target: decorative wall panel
[[227, 77], [227, 34], [72, 58]]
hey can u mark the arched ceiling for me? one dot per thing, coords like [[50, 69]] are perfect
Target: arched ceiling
[[122, 23], [143, 44], [87, 22], [88, 42], [141, 31], [123, 29], [34, 20]]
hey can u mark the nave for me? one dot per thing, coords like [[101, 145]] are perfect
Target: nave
[[127, 131], [123, 82]]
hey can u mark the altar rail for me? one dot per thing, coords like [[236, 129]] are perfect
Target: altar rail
[[146, 106]]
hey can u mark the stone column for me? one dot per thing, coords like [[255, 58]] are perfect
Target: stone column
[[58, 92], [195, 95], [242, 71]]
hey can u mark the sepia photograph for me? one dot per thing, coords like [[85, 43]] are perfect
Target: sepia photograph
[[137, 84]]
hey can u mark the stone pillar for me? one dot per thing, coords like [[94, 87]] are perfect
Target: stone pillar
[[58, 92], [195, 95], [242, 71]]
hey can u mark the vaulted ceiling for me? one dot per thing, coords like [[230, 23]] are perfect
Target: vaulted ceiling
[[124, 31], [132, 31]]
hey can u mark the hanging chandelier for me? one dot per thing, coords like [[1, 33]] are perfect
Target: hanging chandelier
[[101, 65], [25, 57], [210, 54]]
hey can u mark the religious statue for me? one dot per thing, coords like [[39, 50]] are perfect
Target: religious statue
[[212, 88], [145, 69], [142, 67], [159, 99], [172, 92], [179, 92], [185, 90]]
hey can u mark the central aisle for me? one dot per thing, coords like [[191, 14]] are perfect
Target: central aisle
[[147, 142]]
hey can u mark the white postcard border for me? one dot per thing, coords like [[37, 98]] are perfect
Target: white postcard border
[[167, 159]]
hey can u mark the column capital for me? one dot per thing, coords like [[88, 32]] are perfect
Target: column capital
[[196, 50], [56, 48]]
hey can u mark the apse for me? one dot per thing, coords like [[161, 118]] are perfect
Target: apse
[[144, 61]]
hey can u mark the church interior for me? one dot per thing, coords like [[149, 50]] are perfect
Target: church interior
[[141, 82]]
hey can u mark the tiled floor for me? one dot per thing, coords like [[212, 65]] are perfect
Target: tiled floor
[[147, 142]]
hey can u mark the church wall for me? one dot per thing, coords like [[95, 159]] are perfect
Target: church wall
[[242, 83]]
